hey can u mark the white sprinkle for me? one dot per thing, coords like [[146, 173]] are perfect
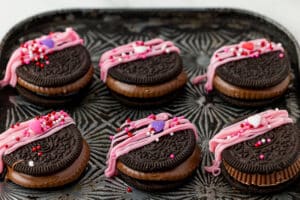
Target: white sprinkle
[[276, 109], [279, 45], [232, 49], [30, 163], [120, 59], [269, 126], [148, 133], [263, 140], [167, 50], [157, 139], [171, 133]]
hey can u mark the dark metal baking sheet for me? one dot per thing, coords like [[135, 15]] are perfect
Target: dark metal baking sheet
[[198, 33]]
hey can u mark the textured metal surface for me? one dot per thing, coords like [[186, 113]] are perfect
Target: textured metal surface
[[198, 33]]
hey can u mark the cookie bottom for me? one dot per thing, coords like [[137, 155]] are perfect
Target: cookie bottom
[[58, 179], [49, 101], [151, 186], [146, 102], [248, 103], [257, 189], [160, 181]]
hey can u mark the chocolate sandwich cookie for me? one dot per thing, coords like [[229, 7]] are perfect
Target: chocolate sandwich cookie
[[155, 153], [252, 73], [50, 70], [45, 152], [259, 154], [143, 73]]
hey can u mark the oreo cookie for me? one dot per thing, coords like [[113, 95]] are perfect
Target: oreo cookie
[[264, 158], [154, 154], [252, 73], [47, 152], [142, 71], [50, 70]]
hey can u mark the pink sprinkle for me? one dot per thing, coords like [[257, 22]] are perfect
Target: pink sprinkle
[[172, 156], [261, 156], [259, 143], [268, 140], [47, 62], [281, 55], [126, 129]]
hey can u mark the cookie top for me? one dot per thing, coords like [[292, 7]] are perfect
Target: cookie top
[[278, 150], [150, 62], [65, 66], [48, 155], [149, 71], [156, 156], [35, 53], [264, 71], [261, 143], [248, 64], [155, 143]]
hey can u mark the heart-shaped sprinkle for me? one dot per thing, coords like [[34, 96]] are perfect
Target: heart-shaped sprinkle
[[48, 42], [248, 45], [140, 49], [158, 125], [35, 126], [254, 120]]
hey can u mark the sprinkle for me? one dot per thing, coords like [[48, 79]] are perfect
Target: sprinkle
[[129, 189], [157, 139], [172, 156], [40, 153], [129, 134], [269, 140], [171, 134], [30, 163], [281, 55], [261, 157]]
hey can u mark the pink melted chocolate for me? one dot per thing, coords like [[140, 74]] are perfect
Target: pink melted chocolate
[[36, 51], [243, 50], [32, 130], [133, 136], [134, 51], [242, 131]]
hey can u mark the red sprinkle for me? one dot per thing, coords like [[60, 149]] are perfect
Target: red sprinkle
[[40, 153], [33, 149], [129, 134], [38, 147], [128, 120], [129, 189], [17, 139]]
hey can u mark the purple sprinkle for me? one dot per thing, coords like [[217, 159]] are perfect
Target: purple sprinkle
[[158, 125], [48, 42]]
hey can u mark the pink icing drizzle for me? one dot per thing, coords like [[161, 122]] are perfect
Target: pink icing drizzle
[[122, 144], [244, 130], [134, 51], [24, 54], [248, 49], [32, 130]]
